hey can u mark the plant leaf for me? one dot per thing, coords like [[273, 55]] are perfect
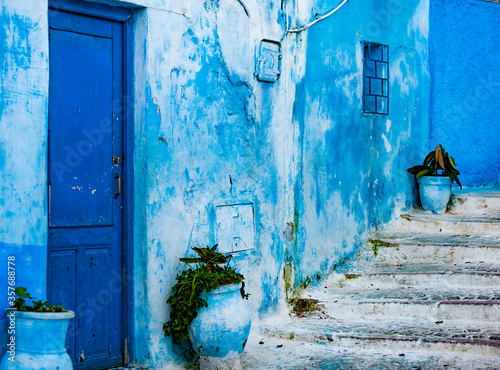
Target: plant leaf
[[448, 161], [436, 151], [452, 161], [440, 159], [433, 167], [428, 158], [200, 251], [423, 173], [21, 292], [416, 169], [190, 260], [453, 176], [20, 304]]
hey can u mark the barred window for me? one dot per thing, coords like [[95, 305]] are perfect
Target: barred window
[[376, 78]]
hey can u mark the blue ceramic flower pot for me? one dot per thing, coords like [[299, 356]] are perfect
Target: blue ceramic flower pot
[[220, 331], [435, 192], [39, 341]]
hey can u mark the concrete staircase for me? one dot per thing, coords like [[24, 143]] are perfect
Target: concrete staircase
[[425, 294]]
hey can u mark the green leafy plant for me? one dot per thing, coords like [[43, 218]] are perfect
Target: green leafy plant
[[437, 160], [36, 306], [187, 298], [209, 257]]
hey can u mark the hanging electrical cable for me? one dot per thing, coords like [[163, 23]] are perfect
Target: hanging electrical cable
[[295, 30]]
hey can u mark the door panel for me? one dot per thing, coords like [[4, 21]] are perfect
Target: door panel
[[62, 283], [81, 146], [96, 332], [85, 166]]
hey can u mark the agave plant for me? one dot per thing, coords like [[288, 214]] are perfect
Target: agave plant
[[437, 160], [207, 257], [187, 298]]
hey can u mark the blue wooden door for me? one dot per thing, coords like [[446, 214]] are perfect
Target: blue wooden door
[[85, 189]]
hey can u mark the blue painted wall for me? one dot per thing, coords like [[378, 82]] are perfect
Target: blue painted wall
[[465, 90], [23, 117], [351, 166], [207, 134], [321, 175]]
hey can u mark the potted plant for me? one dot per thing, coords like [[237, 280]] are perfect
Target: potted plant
[[435, 178], [37, 335], [208, 308]]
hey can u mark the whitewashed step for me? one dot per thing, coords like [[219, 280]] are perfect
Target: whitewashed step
[[379, 275], [273, 352], [479, 306], [473, 201], [392, 335], [419, 221], [423, 294], [433, 301], [431, 248]]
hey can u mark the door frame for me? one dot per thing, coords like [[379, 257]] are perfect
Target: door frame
[[124, 16]]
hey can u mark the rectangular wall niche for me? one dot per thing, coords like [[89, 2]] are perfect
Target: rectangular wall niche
[[235, 231], [376, 78]]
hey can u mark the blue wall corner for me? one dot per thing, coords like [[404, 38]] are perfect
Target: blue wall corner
[[465, 87]]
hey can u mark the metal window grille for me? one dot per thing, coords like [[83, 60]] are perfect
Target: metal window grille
[[376, 78]]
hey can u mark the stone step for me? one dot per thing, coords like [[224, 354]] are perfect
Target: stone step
[[419, 221], [380, 275], [473, 201], [273, 352], [431, 248], [396, 336], [479, 306], [424, 294]]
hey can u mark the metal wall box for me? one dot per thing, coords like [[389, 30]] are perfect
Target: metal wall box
[[269, 61], [235, 230]]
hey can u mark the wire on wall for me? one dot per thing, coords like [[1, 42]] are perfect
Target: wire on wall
[[296, 30]]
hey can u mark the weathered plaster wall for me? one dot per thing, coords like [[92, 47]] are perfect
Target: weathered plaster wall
[[465, 90], [350, 166], [23, 132], [207, 134]]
